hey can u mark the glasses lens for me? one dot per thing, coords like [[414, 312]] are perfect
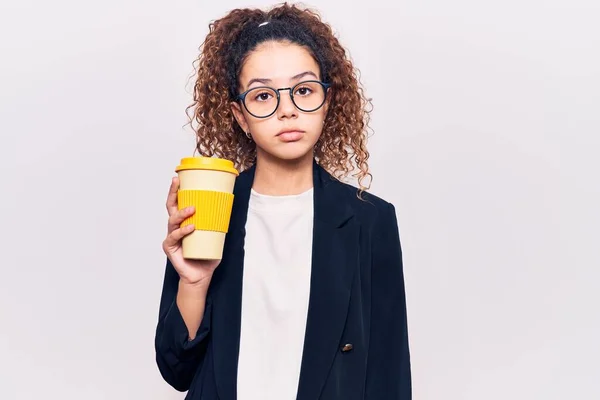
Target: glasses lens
[[309, 96], [261, 101]]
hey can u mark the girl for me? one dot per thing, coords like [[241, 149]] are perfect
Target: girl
[[308, 301]]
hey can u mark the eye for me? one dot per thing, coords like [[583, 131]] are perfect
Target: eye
[[303, 91], [262, 96]]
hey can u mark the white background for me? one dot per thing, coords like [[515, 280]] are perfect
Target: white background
[[487, 133]]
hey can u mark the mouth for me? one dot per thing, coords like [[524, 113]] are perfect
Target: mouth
[[290, 135]]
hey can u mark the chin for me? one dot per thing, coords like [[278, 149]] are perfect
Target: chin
[[292, 152]]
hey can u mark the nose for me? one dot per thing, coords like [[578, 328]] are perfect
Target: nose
[[286, 109]]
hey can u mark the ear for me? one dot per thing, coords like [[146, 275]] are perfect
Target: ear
[[236, 109]]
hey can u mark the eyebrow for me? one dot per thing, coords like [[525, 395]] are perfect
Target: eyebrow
[[266, 81]]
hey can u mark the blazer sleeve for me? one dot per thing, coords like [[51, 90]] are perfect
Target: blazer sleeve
[[388, 362], [177, 357]]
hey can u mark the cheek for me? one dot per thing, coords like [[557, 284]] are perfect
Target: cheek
[[317, 124], [315, 120], [263, 127]]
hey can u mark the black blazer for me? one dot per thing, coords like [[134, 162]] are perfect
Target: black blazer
[[356, 341]]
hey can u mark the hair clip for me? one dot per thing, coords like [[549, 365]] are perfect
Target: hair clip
[[264, 23]]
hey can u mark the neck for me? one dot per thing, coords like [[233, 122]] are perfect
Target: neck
[[277, 177]]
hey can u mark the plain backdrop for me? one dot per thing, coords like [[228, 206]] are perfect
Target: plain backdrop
[[486, 139]]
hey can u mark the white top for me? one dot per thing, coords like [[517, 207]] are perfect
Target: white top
[[276, 287]]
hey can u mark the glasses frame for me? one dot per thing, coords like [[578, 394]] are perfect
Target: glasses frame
[[242, 96]]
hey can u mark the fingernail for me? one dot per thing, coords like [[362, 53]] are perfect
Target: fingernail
[[190, 209]]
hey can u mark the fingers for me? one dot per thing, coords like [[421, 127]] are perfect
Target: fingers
[[172, 197], [179, 216], [171, 243]]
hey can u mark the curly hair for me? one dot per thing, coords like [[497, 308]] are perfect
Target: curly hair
[[341, 148]]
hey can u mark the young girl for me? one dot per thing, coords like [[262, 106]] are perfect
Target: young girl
[[308, 301]]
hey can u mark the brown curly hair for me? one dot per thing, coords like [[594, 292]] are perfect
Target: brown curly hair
[[341, 148]]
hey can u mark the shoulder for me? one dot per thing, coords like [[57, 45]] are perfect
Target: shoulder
[[370, 209]]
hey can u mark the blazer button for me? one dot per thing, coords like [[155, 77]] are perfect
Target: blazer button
[[347, 347]]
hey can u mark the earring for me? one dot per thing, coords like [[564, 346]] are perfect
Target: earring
[[249, 135]]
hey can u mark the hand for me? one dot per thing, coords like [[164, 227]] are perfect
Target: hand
[[191, 272]]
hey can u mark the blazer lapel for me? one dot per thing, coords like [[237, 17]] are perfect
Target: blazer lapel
[[334, 262]]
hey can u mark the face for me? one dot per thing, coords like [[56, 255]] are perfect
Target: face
[[280, 65]]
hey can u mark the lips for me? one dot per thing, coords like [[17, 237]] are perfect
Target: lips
[[288, 131], [290, 135]]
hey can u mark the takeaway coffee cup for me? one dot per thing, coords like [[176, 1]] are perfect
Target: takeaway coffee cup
[[207, 184]]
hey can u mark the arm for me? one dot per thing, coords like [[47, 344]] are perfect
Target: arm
[[180, 348], [388, 363]]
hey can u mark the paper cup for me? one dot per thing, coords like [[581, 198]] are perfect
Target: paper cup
[[207, 184]]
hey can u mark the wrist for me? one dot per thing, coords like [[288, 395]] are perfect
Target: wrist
[[201, 285]]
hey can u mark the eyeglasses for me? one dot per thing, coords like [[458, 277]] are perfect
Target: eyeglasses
[[263, 101]]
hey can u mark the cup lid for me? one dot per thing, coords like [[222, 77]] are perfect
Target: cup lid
[[210, 163]]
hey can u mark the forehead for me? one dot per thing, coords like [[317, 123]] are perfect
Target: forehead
[[277, 61]]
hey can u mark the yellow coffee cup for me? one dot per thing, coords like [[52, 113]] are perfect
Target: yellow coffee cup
[[207, 184]]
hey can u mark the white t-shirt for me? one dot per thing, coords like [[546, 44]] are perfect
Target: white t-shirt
[[276, 287]]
